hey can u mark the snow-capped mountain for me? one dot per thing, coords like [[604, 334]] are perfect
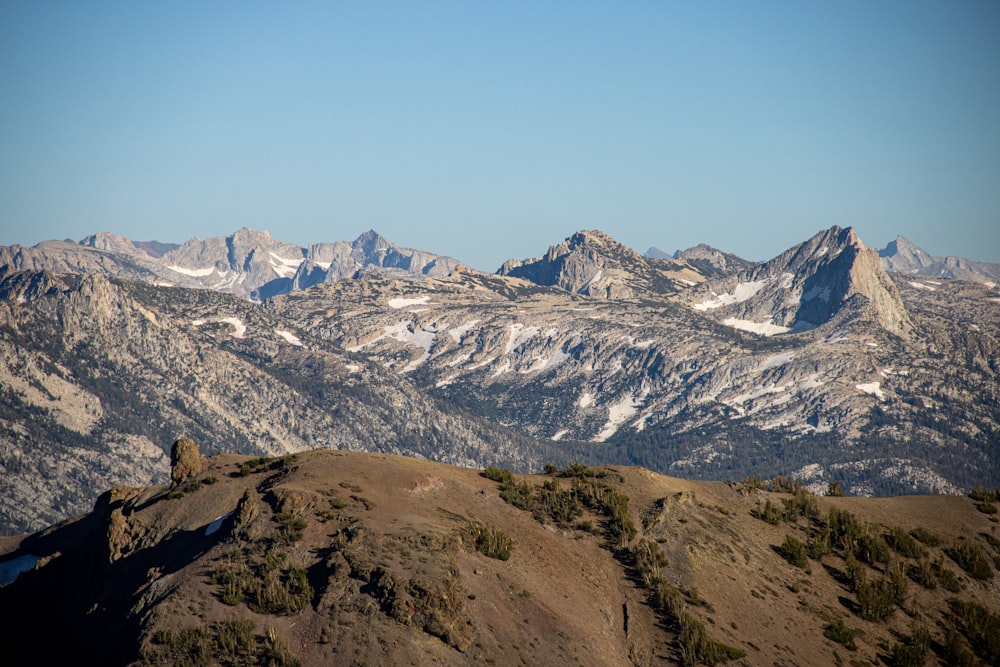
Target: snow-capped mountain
[[882, 382], [247, 263]]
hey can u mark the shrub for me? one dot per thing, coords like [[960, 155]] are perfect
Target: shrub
[[834, 490], [912, 651], [499, 475], [871, 549], [926, 536], [923, 573], [981, 627], [769, 513], [970, 557], [904, 544], [840, 633], [491, 541], [291, 528], [794, 552], [982, 494], [697, 648], [986, 508]]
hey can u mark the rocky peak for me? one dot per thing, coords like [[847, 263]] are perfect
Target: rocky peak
[[904, 256], [806, 286], [109, 242], [594, 264]]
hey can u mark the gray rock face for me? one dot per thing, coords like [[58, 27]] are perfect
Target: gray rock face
[[903, 256], [806, 286], [594, 264], [250, 264]]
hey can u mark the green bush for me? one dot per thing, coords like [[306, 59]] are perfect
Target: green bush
[[291, 528], [926, 536], [697, 648], [840, 633], [986, 508], [904, 543], [491, 541], [981, 627], [970, 557], [499, 475], [982, 494], [794, 552], [912, 651]]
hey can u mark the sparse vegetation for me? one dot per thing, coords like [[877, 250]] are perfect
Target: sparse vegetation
[[913, 650], [927, 537], [970, 557], [491, 541], [231, 642], [981, 628], [836, 631]]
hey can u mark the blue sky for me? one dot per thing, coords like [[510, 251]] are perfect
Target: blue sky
[[493, 130]]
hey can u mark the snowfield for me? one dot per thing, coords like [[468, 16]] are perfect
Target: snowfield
[[742, 292]]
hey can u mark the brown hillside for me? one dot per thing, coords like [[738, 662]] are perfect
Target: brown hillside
[[332, 557]]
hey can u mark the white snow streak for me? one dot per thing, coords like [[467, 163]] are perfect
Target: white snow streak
[[763, 328], [458, 333], [239, 329], [519, 335], [403, 303], [194, 273], [289, 336], [618, 414], [777, 360], [872, 388], [742, 292]]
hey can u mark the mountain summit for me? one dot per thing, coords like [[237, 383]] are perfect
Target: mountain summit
[[806, 286], [594, 264]]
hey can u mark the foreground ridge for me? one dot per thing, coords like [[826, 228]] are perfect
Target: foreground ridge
[[337, 557]]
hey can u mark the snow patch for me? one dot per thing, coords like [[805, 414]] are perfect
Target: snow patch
[[762, 328], [618, 414], [398, 331], [811, 382], [742, 292], [216, 524], [289, 336], [777, 360], [519, 335], [872, 388], [10, 570], [403, 303], [595, 277], [239, 329], [458, 333], [586, 400], [559, 435], [194, 273], [922, 286]]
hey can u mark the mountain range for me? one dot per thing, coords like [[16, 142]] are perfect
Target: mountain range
[[818, 364]]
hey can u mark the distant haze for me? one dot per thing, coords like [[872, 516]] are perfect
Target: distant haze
[[486, 132]]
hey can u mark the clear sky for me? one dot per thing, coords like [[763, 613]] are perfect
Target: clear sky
[[489, 130]]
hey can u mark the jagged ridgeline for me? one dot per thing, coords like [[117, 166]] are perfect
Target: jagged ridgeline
[[334, 557], [818, 364]]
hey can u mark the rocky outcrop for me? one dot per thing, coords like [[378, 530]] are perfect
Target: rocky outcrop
[[185, 461], [593, 264]]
